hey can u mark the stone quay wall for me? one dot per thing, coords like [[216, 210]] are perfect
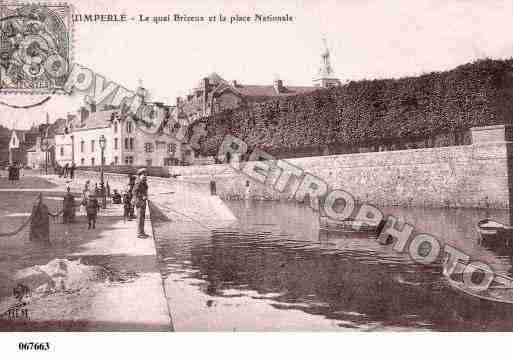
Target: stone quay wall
[[473, 176], [478, 175]]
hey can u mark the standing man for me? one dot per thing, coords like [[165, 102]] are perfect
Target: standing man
[[140, 195], [72, 170], [131, 184], [68, 207], [10, 170]]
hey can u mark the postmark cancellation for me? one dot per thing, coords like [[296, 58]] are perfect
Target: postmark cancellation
[[36, 42]]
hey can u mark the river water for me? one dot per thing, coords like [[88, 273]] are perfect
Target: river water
[[273, 271]]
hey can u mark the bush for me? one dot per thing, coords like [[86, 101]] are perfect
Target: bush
[[366, 113]]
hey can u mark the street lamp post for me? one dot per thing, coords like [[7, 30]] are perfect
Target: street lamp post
[[103, 143], [44, 147]]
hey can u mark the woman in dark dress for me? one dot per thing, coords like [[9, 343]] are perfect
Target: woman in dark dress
[[68, 207], [40, 223]]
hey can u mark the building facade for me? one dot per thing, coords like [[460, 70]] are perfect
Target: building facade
[[20, 143], [126, 140], [214, 94], [38, 157]]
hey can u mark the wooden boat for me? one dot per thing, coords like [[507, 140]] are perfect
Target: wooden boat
[[494, 233], [500, 291], [496, 293], [349, 225]]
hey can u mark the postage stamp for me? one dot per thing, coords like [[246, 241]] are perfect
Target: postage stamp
[[35, 47]]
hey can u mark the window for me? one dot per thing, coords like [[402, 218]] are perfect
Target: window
[[148, 162], [129, 160], [62, 151], [82, 161], [129, 127], [160, 146], [92, 145], [115, 143], [82, 146], [92, 161], [131, 144], [171, 147], [116, 160], [126, 143], [148, 147], [115, 127]]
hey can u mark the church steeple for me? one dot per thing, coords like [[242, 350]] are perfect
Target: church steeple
[[325, 75], [141, 92]]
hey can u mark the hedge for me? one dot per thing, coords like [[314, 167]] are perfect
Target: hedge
[[373, 111]]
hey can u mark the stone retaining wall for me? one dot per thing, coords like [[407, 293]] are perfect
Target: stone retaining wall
[[462, 176], [477, 175]]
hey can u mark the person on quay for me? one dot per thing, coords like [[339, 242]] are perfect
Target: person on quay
[[97, 190], [116, 197], [92, 211], [19, 168], [140, 195], [72, 170], [85, 193], [68, 207], [131, 184], [40, 222], [10, 171], [127, 204]]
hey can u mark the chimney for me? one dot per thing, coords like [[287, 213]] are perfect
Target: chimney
[[206, 84], [278, 86], [178, 100], [83, 115], [234, 83]]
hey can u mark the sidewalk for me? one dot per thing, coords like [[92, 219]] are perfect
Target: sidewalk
[[130, 298]]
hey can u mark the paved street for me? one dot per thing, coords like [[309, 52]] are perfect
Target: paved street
[[131, 297]]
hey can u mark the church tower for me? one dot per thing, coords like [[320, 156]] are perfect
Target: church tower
[[326, 76]]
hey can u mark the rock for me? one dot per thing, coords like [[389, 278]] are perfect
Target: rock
[[57, 275]]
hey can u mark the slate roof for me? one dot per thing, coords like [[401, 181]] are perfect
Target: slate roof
[[265, 91], [96, 120]]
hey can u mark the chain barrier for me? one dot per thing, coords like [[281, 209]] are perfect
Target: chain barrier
[[56, 215], [15, 232], [27, 221]]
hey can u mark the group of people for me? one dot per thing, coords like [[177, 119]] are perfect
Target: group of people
[[66, 171], [134, 197], [13, 172]]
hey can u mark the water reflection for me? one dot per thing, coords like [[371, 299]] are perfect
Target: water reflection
[[275, 251]]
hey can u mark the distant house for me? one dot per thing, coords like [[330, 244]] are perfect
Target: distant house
[[20, 142], [37, 157], [214, 94]]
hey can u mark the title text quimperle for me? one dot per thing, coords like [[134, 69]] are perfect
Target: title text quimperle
[[183, 18]]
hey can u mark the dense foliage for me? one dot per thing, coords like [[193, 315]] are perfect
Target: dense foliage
[[373, 112]]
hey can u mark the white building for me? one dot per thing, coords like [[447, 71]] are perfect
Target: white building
[[126, 141]]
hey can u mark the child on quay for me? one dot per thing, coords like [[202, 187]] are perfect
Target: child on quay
[[92, 206]]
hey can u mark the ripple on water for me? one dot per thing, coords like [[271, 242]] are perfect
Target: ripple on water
[[274, 257]]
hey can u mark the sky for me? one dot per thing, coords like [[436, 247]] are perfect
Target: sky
[[367, 39]]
